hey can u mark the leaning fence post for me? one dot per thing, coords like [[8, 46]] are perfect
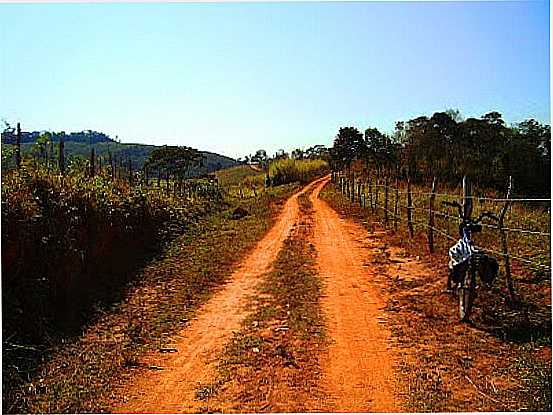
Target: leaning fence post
[[504, 245], [396, 218], [431, 217], [409, 207]]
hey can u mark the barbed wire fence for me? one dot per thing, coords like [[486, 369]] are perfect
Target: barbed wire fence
[[521, 237]]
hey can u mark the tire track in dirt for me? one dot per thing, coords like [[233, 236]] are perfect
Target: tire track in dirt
[[359, 368], [172, 390]]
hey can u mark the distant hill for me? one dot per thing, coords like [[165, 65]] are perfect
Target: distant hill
[[78, 144]]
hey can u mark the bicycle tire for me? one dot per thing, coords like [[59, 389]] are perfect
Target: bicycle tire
[[466, 294]]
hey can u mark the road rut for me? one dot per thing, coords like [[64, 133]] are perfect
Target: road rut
[[359, 369]]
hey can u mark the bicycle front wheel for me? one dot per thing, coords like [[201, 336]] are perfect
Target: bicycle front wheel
[[466, 295]]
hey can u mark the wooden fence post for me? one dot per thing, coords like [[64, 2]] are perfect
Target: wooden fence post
[[111, 165], [130, 172], [376, 196], [504, 245], [61, 159], [18, 147], [386, 201], [52, 158], [409, 208], [346, 188], [370, 195], [92, 159], [467, 198], [431, 217], [396, 218]]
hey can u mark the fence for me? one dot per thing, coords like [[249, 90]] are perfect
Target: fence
[[521, 237]]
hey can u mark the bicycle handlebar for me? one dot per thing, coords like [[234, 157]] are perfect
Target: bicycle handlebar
[[485, 214]]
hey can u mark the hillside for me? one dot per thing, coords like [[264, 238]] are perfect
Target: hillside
[[137, 154]]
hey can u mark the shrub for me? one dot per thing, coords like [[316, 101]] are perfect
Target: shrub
[[70, 243]]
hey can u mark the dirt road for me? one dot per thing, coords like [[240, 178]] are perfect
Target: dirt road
[[358, 369], [172, 389]]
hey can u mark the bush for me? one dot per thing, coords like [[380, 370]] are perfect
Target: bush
[[71, 243], [289, 170]]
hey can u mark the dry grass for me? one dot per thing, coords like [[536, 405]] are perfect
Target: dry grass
[[242, 181]]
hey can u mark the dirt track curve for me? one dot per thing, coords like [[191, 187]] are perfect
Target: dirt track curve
[[358, 369]]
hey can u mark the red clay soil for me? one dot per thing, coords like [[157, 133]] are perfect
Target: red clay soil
[[359, 369], [171, 388]]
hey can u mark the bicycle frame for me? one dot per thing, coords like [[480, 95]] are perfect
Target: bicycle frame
[[467, 258]]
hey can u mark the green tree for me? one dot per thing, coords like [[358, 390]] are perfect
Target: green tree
[[348, 146]]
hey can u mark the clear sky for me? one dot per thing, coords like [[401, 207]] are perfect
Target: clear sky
[[234, 78]]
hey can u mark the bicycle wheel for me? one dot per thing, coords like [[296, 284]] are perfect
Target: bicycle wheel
[[466, 294]]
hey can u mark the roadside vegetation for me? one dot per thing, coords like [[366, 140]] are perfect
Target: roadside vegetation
[[287, 170], [199, 242], [71, 244], [272, 364]]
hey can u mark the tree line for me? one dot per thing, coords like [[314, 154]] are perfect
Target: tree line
[[448, 147]]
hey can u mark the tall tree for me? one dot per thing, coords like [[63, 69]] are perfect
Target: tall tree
[[348, 146]]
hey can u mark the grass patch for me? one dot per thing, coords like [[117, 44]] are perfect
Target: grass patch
[[276, 352], [242, 181], [82, 374]]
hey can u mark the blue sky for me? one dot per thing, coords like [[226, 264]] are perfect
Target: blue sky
[[234, 78]]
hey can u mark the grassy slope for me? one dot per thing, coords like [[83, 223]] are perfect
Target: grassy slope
[[453, 365], [82, 375]]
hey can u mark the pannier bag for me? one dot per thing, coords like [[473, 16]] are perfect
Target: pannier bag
[[487, 269]]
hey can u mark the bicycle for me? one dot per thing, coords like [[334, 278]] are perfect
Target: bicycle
[[466, 261]]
